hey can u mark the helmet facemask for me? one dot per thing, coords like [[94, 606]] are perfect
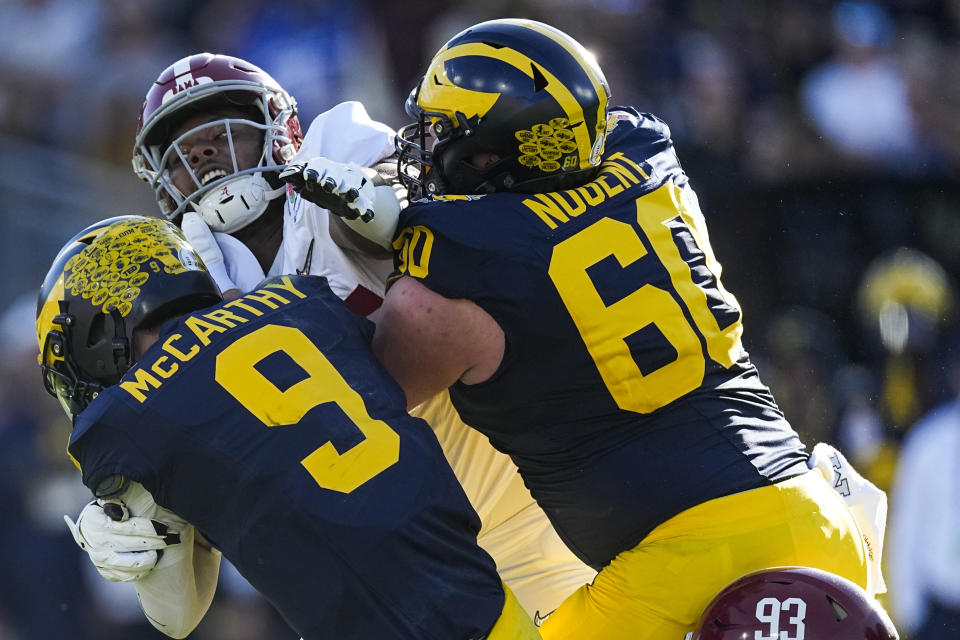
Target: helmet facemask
[[421, 144], [415, 154], [231, 201], [434, 156], [61, 376]]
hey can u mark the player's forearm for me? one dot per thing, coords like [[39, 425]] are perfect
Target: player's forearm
[[347, 238], [177, 593], [428, 342]]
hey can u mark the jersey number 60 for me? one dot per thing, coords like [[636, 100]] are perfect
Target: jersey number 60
[[604, 327]]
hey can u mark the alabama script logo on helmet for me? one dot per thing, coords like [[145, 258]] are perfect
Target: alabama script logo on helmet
[[184, 79]]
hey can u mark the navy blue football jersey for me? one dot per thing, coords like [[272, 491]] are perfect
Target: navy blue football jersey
[[267, 423], [625, 395]]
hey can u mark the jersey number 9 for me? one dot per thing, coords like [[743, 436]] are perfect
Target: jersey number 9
[[343, 472]]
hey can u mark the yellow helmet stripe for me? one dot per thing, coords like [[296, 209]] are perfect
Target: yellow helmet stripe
[[586, 59], [473, 100], [51, 308], [444, 91]]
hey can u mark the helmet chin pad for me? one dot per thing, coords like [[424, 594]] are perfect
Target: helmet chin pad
[[237, 202]]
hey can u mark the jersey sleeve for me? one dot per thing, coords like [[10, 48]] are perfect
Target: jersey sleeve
[[443, 244], [103, 451], [346, 133]]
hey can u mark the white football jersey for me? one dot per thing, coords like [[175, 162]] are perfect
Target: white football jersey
[[309, 249], [530, 557]]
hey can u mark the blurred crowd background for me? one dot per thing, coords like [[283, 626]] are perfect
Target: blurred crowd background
[[823, 139]]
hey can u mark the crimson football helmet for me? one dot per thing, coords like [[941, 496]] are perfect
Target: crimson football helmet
[[794, 603], [111, 278], [205, 82], [518, 89]]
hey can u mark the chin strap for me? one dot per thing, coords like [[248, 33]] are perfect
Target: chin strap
[[120, 343], [276, 193], [237, 202], [82, 392]]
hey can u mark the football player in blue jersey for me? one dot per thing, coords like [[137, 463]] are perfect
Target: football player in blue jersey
[[267, 425], [554, 271]]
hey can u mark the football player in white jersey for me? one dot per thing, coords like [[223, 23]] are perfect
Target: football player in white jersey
[[214, 133]]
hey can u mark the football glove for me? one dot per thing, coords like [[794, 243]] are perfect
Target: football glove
[[122, 547], [867, 504], [346, 190], [201, 238], [367, 200]]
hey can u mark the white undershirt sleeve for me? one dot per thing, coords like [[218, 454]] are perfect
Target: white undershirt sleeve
[[177, 593]]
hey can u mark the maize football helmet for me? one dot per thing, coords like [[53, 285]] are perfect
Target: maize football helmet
[[111, 278], [518, 90], [794, 602], [201, 83]]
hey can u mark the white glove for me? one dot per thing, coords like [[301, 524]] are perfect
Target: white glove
[[345, 189], [201, 238], [121, 547], [242, 265], [866, 502]]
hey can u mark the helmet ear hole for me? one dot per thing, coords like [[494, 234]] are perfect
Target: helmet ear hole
[[96, 333], [838, 609]]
